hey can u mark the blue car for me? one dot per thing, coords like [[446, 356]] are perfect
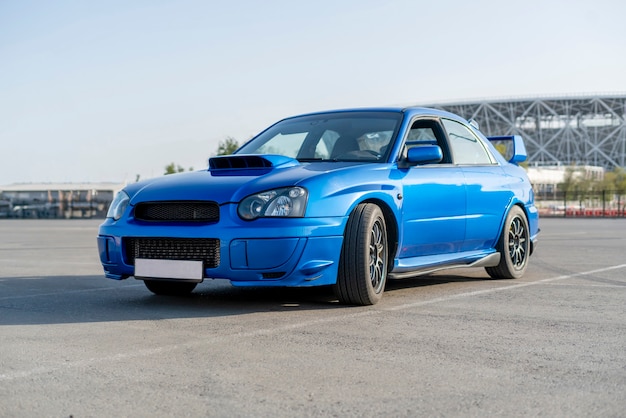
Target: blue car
[[348, 198]]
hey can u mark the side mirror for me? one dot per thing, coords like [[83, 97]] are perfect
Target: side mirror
[[424, 154]]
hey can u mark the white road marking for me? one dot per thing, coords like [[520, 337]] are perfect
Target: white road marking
[[500, 289]]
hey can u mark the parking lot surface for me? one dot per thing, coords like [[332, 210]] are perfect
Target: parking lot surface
[[450, 344]]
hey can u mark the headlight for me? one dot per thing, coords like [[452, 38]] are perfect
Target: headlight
[[286, 202], [118, 205]]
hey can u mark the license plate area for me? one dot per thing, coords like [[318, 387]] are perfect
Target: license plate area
[[188, 270]]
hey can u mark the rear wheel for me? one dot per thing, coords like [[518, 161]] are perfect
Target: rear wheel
[[514, 247], [169, 288], [364, 259]]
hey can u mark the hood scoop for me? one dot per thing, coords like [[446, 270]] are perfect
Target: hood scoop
[[259, 164]]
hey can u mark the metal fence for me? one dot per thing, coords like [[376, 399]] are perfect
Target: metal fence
[[580, 204], [55, 204]]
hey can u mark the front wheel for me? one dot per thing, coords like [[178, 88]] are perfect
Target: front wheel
[[364, 257], [169, 288], [513, 246]]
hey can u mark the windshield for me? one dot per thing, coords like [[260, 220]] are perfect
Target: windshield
[[342, 136]]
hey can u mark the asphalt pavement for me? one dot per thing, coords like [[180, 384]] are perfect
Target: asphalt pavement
[[455, 343]]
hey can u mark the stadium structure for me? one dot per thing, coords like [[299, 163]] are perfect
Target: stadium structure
[[573, 131]]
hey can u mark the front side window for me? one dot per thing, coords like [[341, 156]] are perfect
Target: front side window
[[466, 148], [426, 132], [341, 136]]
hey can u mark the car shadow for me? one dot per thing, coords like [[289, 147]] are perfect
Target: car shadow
[[460, 275], [84, 299]]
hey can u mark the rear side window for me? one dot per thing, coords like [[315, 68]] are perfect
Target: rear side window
[[466, 148]]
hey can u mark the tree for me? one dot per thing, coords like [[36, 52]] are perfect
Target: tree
[[227, 146], [569, 181], [620, 179], [173, 168]]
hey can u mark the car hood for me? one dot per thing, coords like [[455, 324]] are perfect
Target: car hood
[[230, 179]]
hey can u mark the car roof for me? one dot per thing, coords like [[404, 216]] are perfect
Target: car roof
[[410, 111]]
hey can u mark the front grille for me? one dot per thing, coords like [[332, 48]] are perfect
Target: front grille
[[204, 249], [178, 211]]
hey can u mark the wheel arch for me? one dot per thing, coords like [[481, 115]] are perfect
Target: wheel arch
[[527, 214], [391, 223], [522, 206]]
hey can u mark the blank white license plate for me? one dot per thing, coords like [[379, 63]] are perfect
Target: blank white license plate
[[169, 269]]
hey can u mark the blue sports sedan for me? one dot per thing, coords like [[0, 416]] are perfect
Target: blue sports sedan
[[348, 198]]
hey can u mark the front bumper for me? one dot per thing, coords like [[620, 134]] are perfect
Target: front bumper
[[264, 252]]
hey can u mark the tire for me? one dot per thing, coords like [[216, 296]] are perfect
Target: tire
[[169, 288], [514, 247], [363, 263]]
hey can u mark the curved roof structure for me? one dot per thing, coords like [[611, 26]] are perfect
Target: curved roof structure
[[577, 130]]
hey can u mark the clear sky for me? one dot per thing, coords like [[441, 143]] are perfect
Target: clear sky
[[95, 91]]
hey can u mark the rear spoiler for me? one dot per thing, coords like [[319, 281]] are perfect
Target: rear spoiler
[[511, 147]]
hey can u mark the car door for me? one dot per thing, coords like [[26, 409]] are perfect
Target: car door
[[488, 195], [434, 198]]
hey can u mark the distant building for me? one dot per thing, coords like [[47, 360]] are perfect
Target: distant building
[[57, 200], [545, 179]]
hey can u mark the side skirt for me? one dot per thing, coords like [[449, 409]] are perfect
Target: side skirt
[[490, 260]]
